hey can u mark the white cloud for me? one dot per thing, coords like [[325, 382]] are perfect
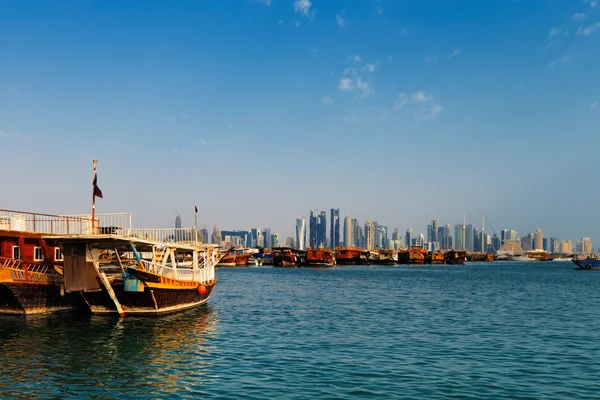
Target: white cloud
[[549, 45], [202, 142], [265, 2], [346, 84], [297, 24], [370, 67], [302, 7], [326, 100], [280, 22], [402, 100], [357, 58], [430, 59], [588, 30], [421, 97], [424, 105], [341, 21], [578, 17], [402, 32], [592, 3], [566, 59], [593, 106], [455, 53], [554, 32], [364, 86]]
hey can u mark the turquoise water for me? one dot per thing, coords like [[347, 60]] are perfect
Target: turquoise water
[[497, 331]]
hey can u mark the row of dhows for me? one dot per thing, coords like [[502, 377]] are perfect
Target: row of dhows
[[54, 263], [324, 257]]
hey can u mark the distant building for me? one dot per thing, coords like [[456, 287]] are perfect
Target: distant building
[[554, 245], [348, 231], [468, 237], [441, 236], [322, 230], [300, 233], [334, 229], [274, 240], [459, 237], [291, 242], [584, 246], [566, 247], [434, 230], [539, 240], [358, 234], [313, 223], [369, 235], [476, 240], [408, 238], [203, 235], [266, 232], [449, 242], [215, 238]]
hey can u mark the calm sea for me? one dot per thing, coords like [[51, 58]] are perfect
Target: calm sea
[[496, 331]]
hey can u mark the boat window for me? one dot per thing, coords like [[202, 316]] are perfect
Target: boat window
[[58, 255], [16, 253], [37, 254]]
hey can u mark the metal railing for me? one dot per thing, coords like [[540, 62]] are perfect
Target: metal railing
[[166, 235], [116, 223]]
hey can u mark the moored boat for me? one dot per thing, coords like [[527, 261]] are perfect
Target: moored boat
[[235, 258], [456, 257], [350, 255], [417, 255], [126, 275], [588, 263], [320, 257], [435, 257], [388, 257], [288, 257]]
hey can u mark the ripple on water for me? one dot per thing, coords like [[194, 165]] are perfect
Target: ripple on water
[[475, 331]]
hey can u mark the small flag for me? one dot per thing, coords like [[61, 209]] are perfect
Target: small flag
[[196, 208], [97, 191]]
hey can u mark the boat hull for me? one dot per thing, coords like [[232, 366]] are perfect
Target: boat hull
[[591, 264], [25, 298], [149, 302]]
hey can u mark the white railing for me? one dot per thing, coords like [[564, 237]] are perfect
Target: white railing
[[166, 235], [117, 223], [204, 273]]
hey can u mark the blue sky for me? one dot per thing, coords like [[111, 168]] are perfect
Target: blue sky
[[395, 111]]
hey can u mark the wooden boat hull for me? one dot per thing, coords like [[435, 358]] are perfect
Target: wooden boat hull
[[24, 298], [149, 302], [350, 256], [320, 258]]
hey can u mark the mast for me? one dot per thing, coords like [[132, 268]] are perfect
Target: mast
[[94, 196]]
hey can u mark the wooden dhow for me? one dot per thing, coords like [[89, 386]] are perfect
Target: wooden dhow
[[351, 255], [288, 257], [320, 257], [31, 262], [129, 275]]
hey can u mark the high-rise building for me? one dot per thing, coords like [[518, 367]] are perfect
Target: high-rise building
[[274, 240], [369, 235], [215, 238], [358, 233], [267, 238], [322, 230], [301, 233], [291, 242], [313, 221], [459, 237], [539, 240], [421, 240], [334, 229], [554, 245], [381, 235], [408, 238], [348, 231], [496, 243], [566, 247], [178, 221], [203, 236], [442, 237], [449, 242], [434, 230], [584, 246], [468, 237], [476, 240]]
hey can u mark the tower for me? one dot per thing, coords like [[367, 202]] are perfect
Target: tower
[[348, 231], [301, 233], [539, 240], [334, 228]]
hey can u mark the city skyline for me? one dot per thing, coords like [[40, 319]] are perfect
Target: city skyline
[[389, 111], [376, 236]]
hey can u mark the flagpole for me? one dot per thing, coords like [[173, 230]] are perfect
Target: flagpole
[[94, 198], [196, 222]]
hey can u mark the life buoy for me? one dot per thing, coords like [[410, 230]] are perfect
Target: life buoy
[[202, 289]]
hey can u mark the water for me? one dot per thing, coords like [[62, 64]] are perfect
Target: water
[[497, 331]]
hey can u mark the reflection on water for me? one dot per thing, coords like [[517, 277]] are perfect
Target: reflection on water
[[70, 354]]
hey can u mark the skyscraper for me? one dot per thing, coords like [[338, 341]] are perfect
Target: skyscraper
[[369, 235], [334, 229], [274, 240], [348, 231], [434, 230], [301, 233], [408, 237], [468, 237], [178, 221], [459, 237], [313, 221], [539, 240], [322, 230]]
